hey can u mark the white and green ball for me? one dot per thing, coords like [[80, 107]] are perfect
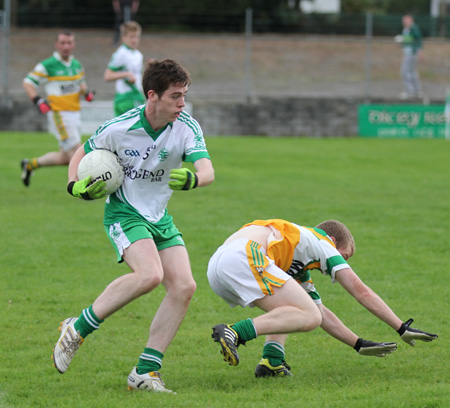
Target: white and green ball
[[102, 165]]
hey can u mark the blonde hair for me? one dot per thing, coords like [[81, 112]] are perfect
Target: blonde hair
[[340, 232], [130, 27]]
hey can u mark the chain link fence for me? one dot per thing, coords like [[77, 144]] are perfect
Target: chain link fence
[[347, 59]]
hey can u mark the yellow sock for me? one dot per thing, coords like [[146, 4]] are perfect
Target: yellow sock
[[32, 164]]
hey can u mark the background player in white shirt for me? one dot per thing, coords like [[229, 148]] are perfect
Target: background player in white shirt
[[125, 67], [254, 267], [152, 141]]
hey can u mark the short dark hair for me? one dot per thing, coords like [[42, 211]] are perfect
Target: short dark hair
[[159, 76], [65, 32]]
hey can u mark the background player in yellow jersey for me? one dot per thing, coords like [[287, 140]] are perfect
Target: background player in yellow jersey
[[63, 77], [267, 264]]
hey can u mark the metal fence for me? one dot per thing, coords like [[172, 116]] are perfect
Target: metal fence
[[248, 63], [69, 14], [5, 15]]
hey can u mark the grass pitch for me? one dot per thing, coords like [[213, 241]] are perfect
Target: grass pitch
[[394, 196]]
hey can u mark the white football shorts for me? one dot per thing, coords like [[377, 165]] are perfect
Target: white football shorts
[[66, 127], [241, 272]]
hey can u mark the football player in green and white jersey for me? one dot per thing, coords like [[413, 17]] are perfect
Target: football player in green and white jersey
[[63, 78], [125, 67], [152, 141], [267, 263]]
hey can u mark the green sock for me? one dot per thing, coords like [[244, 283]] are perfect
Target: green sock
[[150, 360], [87, 322], [245, 329], [274, 352]]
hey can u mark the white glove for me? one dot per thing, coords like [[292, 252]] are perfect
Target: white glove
[[408, 334], [371, 348]]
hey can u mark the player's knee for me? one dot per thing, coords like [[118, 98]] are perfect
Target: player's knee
[[312, 319], [149, 283], [186, 290]]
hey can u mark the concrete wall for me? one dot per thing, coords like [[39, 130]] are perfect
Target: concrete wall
[[312, 117]]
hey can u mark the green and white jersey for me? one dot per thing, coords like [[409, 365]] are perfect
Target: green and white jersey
[[315, 250], [412, 39], [62, 81], [147, 157], [127, 59]]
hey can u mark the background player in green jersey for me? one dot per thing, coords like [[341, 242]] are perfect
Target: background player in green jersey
[[63, 77], [125, 67], [152, 141], [254, 267]]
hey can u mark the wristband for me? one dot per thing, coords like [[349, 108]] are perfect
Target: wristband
[[358, 344], [187, 185], [404, 326], [70, 187]]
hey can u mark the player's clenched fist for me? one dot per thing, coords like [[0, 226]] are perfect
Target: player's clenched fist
[[87, 191], [183, 179], [42, 104]]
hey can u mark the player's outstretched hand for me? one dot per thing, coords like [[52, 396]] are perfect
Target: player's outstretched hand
[[372, 348], [42, 104], [408, 334], [83, 189], [184, 179]]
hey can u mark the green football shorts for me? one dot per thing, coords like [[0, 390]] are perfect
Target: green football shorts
[[123, 233]]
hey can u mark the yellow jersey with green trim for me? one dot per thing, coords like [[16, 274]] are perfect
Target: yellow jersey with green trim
[[62, 81], [297, 250]]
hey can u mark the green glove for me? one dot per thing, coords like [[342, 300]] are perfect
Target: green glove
[[184, 179], [83, 190]]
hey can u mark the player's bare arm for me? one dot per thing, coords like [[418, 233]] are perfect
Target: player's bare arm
[[111, 75], [367, 297], [335, 328], [372, 302], [30, 90], [205, 172], [73, 165]]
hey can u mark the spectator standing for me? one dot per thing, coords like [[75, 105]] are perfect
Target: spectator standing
[[124, 11], [411, 42]]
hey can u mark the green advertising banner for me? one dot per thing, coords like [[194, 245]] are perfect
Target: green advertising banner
[[402, 121]]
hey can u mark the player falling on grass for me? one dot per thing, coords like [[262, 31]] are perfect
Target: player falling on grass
[[152, 141], [125, 67], [267, 263], [63, 77]]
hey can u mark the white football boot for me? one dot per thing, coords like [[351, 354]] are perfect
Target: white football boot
[[68, 343], [149, 382]]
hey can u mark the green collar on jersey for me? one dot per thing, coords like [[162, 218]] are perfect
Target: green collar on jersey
[[147, 127], [128, 48]]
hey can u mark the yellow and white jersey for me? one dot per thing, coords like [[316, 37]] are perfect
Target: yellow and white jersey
[[62, 81], [297, 250]]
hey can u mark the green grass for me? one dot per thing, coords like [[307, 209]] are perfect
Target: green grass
[[394, 195]]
